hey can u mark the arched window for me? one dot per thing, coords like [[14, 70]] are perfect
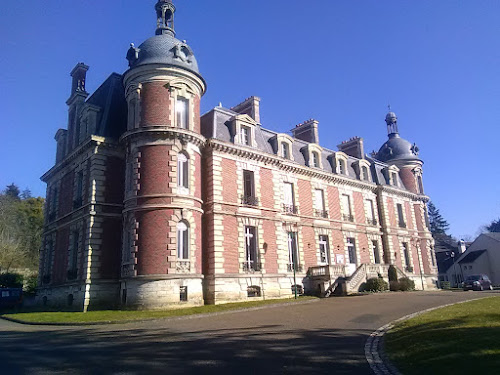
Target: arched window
[[183, 173], [182, 240]]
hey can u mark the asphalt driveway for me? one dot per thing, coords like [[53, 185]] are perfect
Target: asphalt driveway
[[325, 336]]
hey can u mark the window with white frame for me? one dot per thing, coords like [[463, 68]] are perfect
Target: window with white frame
[[364, 173], [285, 150], [315, 159], [182, 112], [341, 166], [319, 203], [370, 212], [324, 250], [251, 253], [245, 135], [351, 250], [182, 241], [346, 208], [401, 218], [376, 253], [288, 199], [293, 252], [182, 173], [393, 179], [249, 198]]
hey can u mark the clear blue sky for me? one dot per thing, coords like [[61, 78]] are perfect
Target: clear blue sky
[[341, 62]]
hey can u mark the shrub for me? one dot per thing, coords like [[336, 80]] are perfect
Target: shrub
[[31, 284], [393, 273], [11, 280], [394, 286], [374, 285], [406, 284]]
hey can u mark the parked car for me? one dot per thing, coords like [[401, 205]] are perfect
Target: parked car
[[10, 297], [477, 282]]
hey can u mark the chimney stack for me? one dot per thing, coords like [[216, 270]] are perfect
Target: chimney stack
[[250, 106], [308, 131], [353, 147]]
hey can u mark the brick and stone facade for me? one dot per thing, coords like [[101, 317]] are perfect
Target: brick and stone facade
[[151, 204]]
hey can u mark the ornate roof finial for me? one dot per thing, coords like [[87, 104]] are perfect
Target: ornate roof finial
[[165, 11]]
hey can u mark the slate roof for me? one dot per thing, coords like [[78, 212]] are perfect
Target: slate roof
[[110, 97], [215, 125], [472, 256]]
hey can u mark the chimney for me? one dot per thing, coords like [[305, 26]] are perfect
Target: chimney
[[353, 147], [308, 131], [461, 246], [250, 107], [79, 74]]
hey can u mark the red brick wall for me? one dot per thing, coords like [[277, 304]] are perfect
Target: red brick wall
[[155, 105], [230, 244], [334, 203], [391, 211], [359, 208], [338, 245], [154, 170], [396, 248], [305, 198], [418, 217], [197, 125], [266, 188], [408, 179], [153, 236], [197, 171], [271, 254], [229, 184], [408, 216], [364, 248], [309, 247], [66, 194], [198, 240], [59, 272], [110, 258]]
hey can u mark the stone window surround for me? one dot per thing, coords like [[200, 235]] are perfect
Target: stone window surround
[[177, 217], [349, 193], [244, 222], [401, 241], [336, 157], [319, 231], [76, 228], [235, 124], [181, 189], [358, 167], [320, 185], [308, 154], [278, 142], [389, 172], [177, 89], [418, 172]]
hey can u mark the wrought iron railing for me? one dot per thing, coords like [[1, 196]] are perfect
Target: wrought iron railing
[[290, 209], [321, 213], [251, 266], [348, 217], [298, 267], [249, 200], [373, 222]]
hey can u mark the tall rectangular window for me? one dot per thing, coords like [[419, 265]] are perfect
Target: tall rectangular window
[[183, 172], [319, 203], [401, 218], [315, 159], [394, 179], [346, 207], [74, 254], [77, 202], [293, 252], [376, 254], [288, 198], [249, 189], [182, 112], [341, 166], [182, 241], [420, 185], [370, 212], [351, 250], [251, 253], [324, 250], [406, 254], [245, 135]]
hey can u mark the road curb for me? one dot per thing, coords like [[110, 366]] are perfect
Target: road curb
[[174, 318], [374, 346]]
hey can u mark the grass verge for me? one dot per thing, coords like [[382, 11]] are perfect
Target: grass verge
[[460, 339], [117, 316]]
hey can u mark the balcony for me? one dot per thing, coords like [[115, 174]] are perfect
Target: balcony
[[251, 266], [321, 213], [348, 217], [290, 209], [373, 222], [183, 266], [298, 267], [249, 200]]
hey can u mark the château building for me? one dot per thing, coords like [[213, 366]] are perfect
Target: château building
[[151, 204]]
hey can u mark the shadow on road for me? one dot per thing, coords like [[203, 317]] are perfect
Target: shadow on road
[[257, 350]]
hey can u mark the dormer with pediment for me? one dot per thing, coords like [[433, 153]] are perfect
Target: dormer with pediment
[[242, 129], [339, 163], [391, 174], [312, 155], [362, 169], [282, 145]]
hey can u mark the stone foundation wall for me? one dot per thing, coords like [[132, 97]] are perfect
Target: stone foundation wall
[[151, 293]]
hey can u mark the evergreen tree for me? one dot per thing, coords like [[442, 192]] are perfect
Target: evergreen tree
[[12, 191], [494, 226], [438, 224]]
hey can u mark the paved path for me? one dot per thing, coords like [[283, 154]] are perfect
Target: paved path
[[326, 336]]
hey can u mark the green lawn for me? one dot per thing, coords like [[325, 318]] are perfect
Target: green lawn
[[460, 339], [115, 316]]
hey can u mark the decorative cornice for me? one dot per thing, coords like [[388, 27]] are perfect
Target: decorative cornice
[[165, 132]]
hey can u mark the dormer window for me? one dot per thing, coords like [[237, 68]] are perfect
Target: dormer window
[[394, 179], [364, 173], [245, 135], [338, 161], [285, 150], [391, 175], [182, 112], [315, 160], [362, 168], [341, 167]]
